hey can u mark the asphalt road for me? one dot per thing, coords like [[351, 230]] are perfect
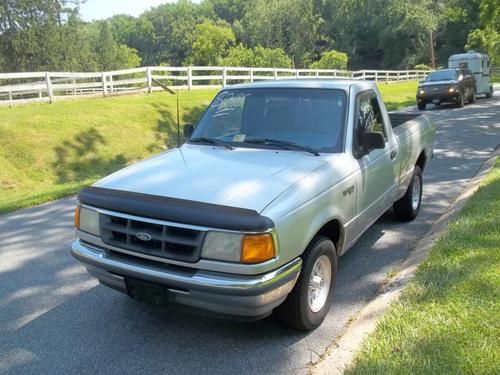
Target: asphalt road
[[55, 319]]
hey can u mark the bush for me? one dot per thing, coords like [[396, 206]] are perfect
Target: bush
[[258, 57], [331, 60], [422, 67]]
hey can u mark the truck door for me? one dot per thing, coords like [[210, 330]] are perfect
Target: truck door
[[377, 180]]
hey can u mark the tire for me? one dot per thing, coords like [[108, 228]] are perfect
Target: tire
[[297, 311], [472, 98], [407, 208], [490, 93], [421, 106], [460, 101]]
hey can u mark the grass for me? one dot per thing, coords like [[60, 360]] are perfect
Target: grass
[[447, 321], [398, 95], [51, 151]]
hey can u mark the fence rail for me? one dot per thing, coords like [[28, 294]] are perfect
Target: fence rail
[[50, 86]]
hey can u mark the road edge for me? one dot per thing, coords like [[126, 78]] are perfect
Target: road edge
[[343, 350]]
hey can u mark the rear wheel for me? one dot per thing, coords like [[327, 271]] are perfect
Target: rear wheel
[[421, 106], [307, 305], [472, 98], [407, 208]]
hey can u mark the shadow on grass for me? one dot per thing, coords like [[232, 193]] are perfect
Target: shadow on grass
[[80, 158], [166, 128]]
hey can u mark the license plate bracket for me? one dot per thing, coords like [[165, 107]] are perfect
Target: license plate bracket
[[146, 291]]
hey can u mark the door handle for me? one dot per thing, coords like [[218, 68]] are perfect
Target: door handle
[[394, 153]]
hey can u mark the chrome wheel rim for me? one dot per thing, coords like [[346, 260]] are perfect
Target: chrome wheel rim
[[319, 283], [415, 194]]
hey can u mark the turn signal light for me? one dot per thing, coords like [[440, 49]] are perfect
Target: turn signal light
[[257, 248], [77, 217]]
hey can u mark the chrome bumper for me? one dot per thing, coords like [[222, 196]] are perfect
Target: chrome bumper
[[245, 296]]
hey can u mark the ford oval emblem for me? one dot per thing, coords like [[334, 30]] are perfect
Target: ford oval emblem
[[143, 236]]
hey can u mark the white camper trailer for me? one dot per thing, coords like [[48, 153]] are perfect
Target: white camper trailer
[[479, 64]]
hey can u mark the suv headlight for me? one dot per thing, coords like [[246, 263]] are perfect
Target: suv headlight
[[452, 88], [238, 247], [87, 220], [421, 91]]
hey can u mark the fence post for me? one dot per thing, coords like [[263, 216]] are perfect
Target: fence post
[[224, 77], [190, 78], [10, 97], [335, 74], [149, 78], [104, 85], [364, 75], [275, 74], [111, 88], [316, 73], [376, 76], [251, 74], [297, 74], [50, 92], [74, 90]]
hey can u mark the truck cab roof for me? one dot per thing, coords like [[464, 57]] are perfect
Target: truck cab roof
[[314, 83]]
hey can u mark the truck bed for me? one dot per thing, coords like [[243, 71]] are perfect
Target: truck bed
[[399, 118]]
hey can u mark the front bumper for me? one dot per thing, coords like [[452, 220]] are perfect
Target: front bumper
[[238, 295], [449, 97]]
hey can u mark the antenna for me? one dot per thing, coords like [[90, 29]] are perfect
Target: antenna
[[170, 91]]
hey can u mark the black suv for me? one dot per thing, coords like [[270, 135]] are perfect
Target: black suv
[[447, 86]]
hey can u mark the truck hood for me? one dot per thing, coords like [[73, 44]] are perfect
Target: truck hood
[[243, 177], [438, 83]]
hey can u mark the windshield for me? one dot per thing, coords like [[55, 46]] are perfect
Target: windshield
[[307, 117], [442, 75]]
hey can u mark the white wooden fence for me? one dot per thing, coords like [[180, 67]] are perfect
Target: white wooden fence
[[50, 86]]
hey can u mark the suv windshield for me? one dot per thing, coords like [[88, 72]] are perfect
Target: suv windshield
[[313, 118], [442, 75]]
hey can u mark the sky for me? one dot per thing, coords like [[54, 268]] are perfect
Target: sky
[[101, 9]]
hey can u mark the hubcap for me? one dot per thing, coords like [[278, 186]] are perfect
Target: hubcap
[[415, 194], [319, 283]]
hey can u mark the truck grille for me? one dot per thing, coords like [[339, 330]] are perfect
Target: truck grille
[[159, 240], [437, 89]]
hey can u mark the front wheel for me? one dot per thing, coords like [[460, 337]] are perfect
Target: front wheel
[[460, 101], [421, 106], [307, 305], [407, 208]]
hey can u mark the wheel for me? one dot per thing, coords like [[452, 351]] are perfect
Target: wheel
[[421, 106], [407, 208], [490, 93], [308, 303], [460, 101], [472, 98]]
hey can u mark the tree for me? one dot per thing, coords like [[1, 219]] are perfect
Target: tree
[[486, 38], [331, 60], [291, 25], [210, 43], [257, 57], [229, 10]]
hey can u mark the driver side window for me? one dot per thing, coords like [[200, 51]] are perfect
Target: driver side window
[[369, 114]]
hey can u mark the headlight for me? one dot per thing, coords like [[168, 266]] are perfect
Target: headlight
[[87, 220], [452, 89], [421, 91], [222, 246], [236, 247]]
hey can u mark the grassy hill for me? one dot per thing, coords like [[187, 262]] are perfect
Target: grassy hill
[[50, 151]]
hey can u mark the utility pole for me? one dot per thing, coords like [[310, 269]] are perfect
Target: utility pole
[[433, 58]]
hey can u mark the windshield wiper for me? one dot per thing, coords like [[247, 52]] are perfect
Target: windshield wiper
[[283, 144], [212, 141]]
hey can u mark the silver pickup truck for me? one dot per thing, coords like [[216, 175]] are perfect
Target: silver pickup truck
[[276, 182]]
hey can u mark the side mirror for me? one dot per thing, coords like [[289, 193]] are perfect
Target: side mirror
[[468, 76], [188, 130], [372, 140]]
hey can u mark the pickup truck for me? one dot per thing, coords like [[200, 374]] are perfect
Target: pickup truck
[[277, 181]]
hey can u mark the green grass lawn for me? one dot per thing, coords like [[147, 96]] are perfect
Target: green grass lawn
[[448, 319], [50, 151]]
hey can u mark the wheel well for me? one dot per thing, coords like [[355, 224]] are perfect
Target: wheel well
[[422, 160], [332, 230]]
